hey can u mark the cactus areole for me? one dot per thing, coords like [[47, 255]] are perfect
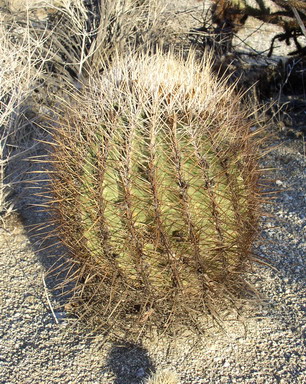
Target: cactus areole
[[155, 190]]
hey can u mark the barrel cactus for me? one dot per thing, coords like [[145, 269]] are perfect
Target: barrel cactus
[[155, 195]]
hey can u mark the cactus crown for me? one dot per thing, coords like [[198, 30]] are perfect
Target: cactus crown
[[155, 189]]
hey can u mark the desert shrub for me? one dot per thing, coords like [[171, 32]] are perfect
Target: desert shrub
[[20, 72], [154, 192], [81, 34]]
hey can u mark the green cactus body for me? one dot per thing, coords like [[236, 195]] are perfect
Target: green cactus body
[[156, 189]]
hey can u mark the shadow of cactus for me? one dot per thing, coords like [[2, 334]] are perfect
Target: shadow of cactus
[[129, 363]]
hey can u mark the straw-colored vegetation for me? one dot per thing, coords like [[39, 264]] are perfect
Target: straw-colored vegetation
[[82, 35], [163, 377], [20, 69]]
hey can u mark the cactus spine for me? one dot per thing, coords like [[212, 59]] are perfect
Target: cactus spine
[[155, 189]]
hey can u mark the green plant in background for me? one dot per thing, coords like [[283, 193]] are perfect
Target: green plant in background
[[155, 194]]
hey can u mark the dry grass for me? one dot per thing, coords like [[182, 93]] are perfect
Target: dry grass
[[163, 377], [20, 70], [82, 35]]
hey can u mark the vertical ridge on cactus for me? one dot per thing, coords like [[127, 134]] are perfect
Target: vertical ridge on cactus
[[155, 190]]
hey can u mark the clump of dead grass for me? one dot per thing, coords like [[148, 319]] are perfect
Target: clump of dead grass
[[163, 377], [83, 35], [20, 71]]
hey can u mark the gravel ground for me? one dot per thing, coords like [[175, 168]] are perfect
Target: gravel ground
[[265, 345]]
